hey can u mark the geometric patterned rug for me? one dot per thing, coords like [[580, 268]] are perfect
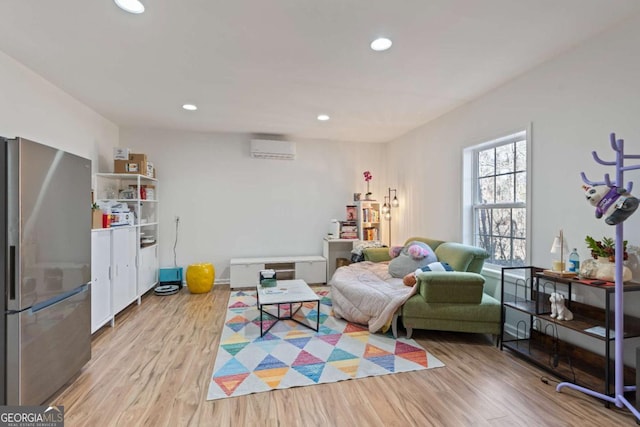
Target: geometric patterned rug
[[291, 355]]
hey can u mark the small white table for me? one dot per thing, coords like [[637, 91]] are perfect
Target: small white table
[[286, 292]]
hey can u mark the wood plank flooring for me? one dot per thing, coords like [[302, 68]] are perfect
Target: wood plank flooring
[[153, 369]]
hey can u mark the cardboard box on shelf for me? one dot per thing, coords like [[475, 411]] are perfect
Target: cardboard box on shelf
[[96, 218], [136, 164], [150, 172], [121, 153], [127, 166], [138, 157]]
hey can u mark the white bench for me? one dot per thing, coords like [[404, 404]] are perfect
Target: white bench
[[244, 272]]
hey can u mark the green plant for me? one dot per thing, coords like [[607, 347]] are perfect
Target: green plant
[[605, 248], [94, 206]]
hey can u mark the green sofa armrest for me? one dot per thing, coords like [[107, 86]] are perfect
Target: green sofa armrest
[[450, 287], [376, 254], [462, 257]]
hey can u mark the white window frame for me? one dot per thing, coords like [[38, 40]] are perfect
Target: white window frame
[[470, 188]]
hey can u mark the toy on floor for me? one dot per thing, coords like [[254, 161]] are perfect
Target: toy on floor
[[558, 310], [614, 203]]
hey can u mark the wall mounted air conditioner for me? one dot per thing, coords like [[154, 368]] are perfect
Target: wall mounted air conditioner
[[270, 149]]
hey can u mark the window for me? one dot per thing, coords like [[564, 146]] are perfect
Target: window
[[496, 195]]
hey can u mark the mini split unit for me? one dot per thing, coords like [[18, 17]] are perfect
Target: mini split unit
[[270, 149]]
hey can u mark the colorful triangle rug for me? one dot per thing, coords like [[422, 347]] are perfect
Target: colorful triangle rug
[[291, 355]]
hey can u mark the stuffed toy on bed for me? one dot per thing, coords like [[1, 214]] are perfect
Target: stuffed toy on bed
[[614, 203], [410, 279], [407, 259]]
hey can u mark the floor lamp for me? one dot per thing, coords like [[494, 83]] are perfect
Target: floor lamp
[[386, 208]]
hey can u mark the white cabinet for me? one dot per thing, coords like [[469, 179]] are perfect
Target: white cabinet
[[100, 279], [245, 271], [140, 194], [312, 271], [332, 249], [147, 269], [113, 273], [123, 267], [124, 258]]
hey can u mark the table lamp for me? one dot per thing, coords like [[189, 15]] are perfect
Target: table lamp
[[561, 247]]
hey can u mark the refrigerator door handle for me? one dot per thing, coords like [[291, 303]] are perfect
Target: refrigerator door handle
[[44, 304], [12, 272]]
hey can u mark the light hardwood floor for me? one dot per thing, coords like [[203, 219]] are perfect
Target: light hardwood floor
[[154, 367]]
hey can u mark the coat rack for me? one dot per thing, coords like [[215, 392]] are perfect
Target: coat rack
[[618, 399]]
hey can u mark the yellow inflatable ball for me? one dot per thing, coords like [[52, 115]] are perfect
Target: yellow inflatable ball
[[200, 277]]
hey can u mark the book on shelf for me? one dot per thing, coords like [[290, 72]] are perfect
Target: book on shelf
[[348, 227], [370, 215], [370, 233], [348, 235]]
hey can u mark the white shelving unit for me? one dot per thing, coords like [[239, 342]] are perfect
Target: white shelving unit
[[369, 220], [129, 253]]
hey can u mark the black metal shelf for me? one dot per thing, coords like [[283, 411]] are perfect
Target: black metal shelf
[[541, 346]]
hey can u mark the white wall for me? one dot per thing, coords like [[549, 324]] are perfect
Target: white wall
[[231, 205], [573, 103], [35, 109]]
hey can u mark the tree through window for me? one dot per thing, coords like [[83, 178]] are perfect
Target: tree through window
[[499, 206]]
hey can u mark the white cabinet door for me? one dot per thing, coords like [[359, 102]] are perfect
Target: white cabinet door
[[312, 271], [148, 269], [123, 269], [245, 275], [100, 280]]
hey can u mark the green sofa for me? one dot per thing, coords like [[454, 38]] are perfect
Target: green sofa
[[449, 301]]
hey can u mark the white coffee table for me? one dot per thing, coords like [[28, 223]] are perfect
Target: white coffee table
[[286, 292]]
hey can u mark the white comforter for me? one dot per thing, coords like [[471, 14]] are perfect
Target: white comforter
[[366, 293]]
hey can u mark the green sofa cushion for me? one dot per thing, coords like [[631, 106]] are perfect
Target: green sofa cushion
[[450, 287], [376, 254], [487, 311]]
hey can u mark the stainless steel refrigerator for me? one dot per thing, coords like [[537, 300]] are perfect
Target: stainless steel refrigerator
[[45, 245]]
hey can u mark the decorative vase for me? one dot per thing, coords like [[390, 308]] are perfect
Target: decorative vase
[[603, 269]]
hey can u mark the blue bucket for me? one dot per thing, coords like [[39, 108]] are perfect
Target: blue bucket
[[171, 276]]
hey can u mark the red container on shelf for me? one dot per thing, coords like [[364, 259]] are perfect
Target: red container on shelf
[[106, 220]]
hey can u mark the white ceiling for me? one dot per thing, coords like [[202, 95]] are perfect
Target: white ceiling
[[271, 66]]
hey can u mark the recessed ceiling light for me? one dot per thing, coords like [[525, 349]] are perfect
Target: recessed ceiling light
[[131, 6], [190, 107], [381, 44], [323, 117]]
